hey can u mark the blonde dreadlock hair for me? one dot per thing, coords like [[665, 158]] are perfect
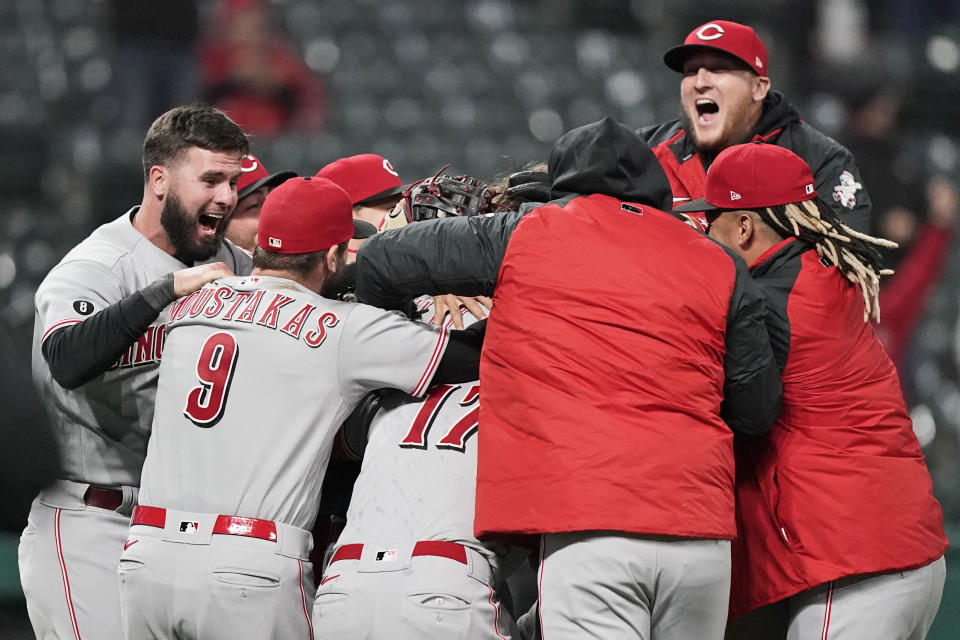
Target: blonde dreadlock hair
[[855, 254]]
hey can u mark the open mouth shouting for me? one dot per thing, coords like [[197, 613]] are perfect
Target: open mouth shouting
[[707, 110], [209, 223]]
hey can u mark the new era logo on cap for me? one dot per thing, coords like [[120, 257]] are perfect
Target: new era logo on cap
[[734, 195]]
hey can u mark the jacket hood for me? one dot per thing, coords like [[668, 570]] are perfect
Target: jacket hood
[[606, 157], [777, 113]]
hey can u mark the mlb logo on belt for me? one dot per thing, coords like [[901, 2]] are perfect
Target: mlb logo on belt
[[386, 556], [187, 526]]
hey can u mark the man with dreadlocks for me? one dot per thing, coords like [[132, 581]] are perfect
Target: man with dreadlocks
[[836, 517]]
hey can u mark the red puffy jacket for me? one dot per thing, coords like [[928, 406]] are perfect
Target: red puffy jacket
[[839, 488]]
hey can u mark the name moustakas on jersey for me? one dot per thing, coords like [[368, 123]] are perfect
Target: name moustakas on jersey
[[231, 305]]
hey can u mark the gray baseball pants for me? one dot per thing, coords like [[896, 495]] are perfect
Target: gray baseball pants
[[611, 586]]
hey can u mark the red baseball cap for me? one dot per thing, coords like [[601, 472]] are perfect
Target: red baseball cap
[[303, 215], [754, 176], [253, 175], [734, 38], [368, 178]]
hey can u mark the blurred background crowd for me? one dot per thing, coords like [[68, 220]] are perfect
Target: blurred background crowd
[[486, 85]]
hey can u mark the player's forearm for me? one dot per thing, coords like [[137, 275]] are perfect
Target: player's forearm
[[80, 352], [461, 360]]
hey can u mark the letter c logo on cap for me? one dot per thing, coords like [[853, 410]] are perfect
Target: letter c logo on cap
[[710, 31], [389, 168], [248, 164]]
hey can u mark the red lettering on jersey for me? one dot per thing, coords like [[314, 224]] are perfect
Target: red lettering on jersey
[[215, 366], [202, 299], [316, 338], [456, 438], [295, 326], [251, 309], [158, 341], [416, 438], [127, 357], [144, 347], [175, 310], [216, 305], [181, 306], [242, 296], [271, 316]]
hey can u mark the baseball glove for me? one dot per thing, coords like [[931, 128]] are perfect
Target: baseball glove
[[442, 196]]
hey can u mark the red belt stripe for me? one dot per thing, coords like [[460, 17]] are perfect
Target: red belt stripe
[[440, 548], [227, 525]]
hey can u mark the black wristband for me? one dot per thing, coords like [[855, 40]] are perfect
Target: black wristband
[[160, 293]]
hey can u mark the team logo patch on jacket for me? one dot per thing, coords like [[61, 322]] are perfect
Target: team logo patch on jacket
[[846, 192]]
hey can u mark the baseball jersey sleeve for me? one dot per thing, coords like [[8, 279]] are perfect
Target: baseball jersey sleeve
[[73, 292], [380, 349]]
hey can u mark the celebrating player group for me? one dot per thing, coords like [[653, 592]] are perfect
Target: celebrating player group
[[640, 381]]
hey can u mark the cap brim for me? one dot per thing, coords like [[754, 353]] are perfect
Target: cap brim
[[272, 180], [393, 193], [674, 58], [363, 229], [696, 206]]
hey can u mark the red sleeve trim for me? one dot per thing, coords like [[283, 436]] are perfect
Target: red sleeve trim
[[432, 365], [58, 325]]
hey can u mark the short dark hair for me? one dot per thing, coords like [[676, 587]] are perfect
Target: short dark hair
[[196, 125], [298, 263]]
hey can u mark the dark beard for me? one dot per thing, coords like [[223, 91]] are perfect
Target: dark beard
[[341, 285], [180, 226]]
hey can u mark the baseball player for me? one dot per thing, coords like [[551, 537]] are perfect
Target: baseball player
[[407, 564], [98, 340], [726, 98], [258, 374], [252, 189], [606, 419], [837, 519]]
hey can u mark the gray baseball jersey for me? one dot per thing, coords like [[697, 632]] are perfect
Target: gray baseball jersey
[[257, 376], [419, 475], [417, 483], [103, 426], [69, 550]]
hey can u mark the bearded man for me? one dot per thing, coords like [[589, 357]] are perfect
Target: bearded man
[[98, 339]]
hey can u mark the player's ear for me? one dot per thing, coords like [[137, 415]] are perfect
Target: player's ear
[[331, 260], [761, 88], [746, 230], [158, 181]]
